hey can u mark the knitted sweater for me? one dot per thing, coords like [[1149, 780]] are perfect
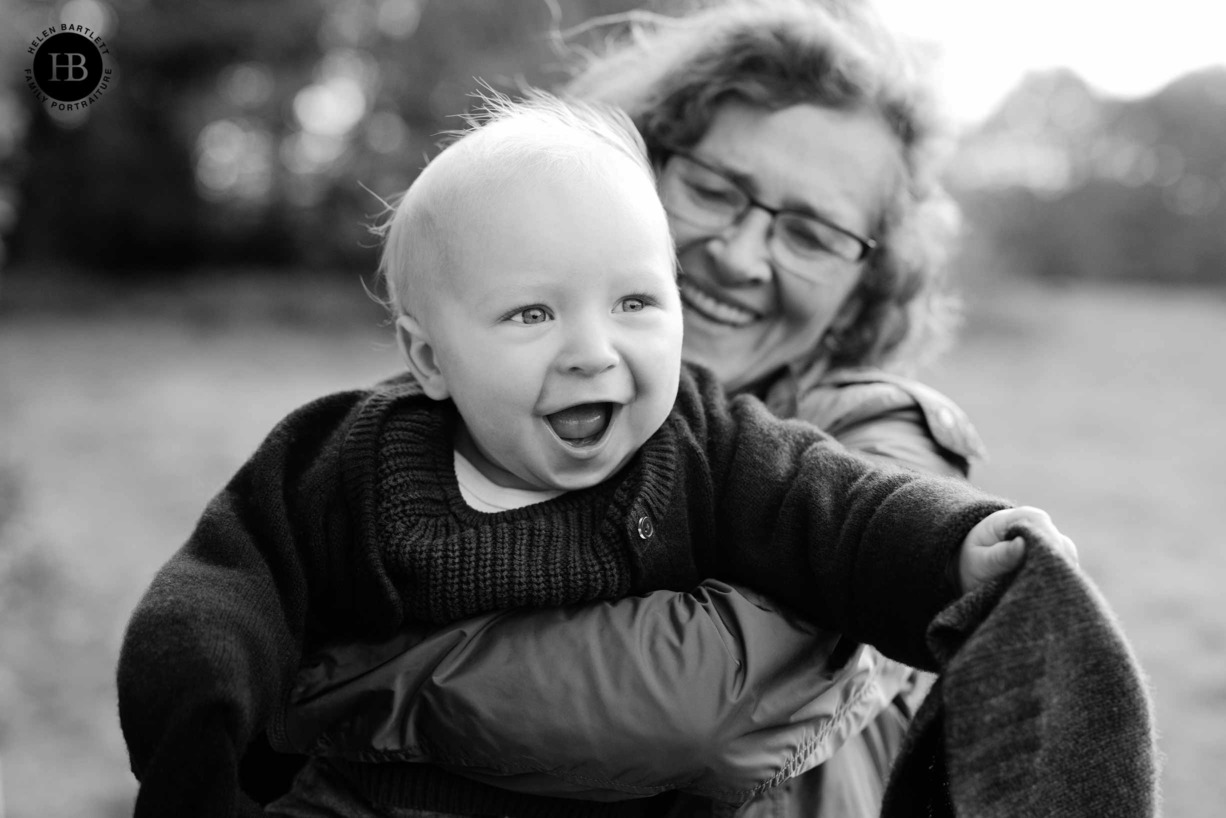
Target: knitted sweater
[[347, 521]]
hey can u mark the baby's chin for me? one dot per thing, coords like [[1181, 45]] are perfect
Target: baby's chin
[[586, 476], [578, 481]]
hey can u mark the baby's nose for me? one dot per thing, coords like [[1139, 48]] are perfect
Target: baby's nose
[[588, 351]]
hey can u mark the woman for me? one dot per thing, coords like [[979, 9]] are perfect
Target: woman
[[795, 160]]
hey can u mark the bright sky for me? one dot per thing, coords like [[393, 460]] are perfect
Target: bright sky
[[1122, 49]]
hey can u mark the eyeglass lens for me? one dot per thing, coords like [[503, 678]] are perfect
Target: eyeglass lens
[[708, 199]]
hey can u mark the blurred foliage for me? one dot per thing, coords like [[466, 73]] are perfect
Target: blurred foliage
[[263, 134], [1062, 184], [245, 132]]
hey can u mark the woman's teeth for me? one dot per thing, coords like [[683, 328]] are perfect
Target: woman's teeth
[[714, 309], [582, 424]]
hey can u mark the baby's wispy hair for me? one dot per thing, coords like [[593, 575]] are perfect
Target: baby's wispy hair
[[503, 139]]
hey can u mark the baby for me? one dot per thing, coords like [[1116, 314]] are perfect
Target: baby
[[546, 448]]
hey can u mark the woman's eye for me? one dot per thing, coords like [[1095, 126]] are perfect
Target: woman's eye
[[810, 237], [803, 236], [531, 315], [714, 195], [632, 304]]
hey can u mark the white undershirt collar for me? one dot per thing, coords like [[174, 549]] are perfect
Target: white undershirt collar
[[483, 494]]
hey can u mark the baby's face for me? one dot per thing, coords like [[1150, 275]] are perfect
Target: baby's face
[[558, 329]]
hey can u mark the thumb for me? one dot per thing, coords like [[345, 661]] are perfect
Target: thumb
[[994, 561], [1005, 556]]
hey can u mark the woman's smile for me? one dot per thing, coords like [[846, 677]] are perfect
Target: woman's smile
[[714, 308]]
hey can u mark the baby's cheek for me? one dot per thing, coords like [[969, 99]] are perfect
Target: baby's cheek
[[668, 342]]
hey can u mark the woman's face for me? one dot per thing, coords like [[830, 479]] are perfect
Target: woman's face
[[745, 314]]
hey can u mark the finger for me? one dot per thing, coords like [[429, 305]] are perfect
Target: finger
[[1007, 555], [1070, 550], [998, 559], [1019, 520]]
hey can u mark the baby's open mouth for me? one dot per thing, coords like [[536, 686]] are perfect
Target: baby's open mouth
[[583, 424]]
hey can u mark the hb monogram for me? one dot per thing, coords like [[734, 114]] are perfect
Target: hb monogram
[[74, 63]]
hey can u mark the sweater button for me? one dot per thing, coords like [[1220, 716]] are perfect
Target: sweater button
[[646, 528]]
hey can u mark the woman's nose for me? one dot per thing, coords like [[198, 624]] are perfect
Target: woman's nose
[[588, 351], [741, 254]]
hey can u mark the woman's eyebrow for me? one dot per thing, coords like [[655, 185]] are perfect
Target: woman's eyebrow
[[740, 177], [791, 204]]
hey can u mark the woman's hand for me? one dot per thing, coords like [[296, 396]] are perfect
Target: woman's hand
[[996, 545]]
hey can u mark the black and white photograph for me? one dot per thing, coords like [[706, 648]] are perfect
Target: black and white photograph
[[612, 409]]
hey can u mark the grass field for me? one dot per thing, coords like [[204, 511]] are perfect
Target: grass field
[[1102, 405]]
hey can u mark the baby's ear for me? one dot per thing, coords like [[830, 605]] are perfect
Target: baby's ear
[[418, 353]]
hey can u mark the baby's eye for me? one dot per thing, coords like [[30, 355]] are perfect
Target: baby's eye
[[634, 303], [531, 315]]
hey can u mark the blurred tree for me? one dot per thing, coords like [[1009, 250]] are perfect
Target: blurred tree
[[1063, 184], [244, 132], [118, 191]]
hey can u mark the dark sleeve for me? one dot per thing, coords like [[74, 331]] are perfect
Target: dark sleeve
[[213, 642], [859, 547]]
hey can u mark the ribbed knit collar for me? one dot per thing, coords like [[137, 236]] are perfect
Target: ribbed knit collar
[[450, 561]]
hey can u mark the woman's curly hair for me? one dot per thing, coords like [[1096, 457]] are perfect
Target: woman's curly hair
[[671, 74]]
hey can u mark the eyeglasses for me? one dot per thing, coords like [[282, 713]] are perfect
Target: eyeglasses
[[801, 243]]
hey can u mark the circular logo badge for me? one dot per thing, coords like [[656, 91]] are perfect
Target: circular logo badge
[[68, 67]]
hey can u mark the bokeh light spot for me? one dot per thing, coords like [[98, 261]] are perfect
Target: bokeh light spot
[[1169, 165], [234, 161], [386, 132], [1193, 195], [330, 108], [398, 19], [247, 84], [306, 153], [97, 16]]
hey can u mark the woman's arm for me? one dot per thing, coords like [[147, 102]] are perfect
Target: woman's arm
[[715, 692], [893, 419], [552, 671]]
